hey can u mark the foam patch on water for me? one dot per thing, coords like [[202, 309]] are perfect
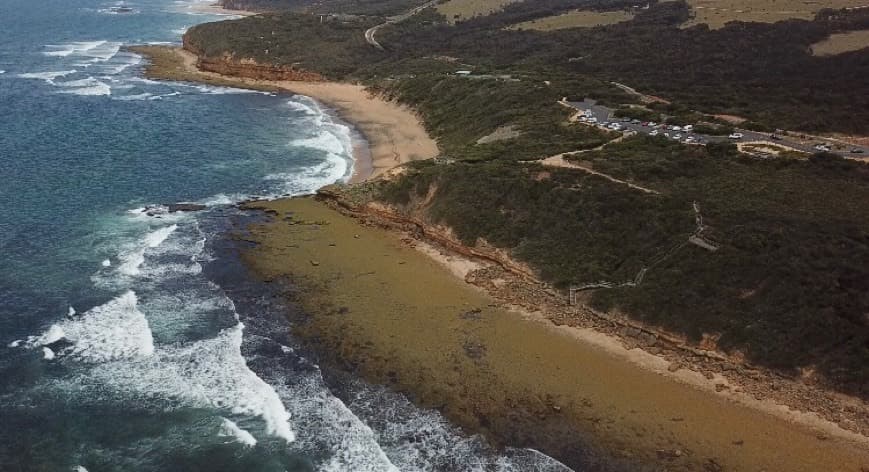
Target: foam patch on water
[[46, 76], [210, 373], [97, 51], [416, 439], [132, 260], [229, 429], [79, 468], [99, 89], [47, 353], [135, 97], [326, 424], [335, 168], [114, 330]]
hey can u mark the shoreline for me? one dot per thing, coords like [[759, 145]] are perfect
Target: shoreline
[[830, 413], [217, 9], [350, 102], [393, 134], [510, 373]]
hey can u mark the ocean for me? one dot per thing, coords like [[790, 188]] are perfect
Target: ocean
[[130, 338]]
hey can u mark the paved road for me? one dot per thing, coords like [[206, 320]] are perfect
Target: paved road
[[370, 32], [605, 114]]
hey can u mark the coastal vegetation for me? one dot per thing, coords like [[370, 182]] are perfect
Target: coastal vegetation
[[763, 72], [345, 7], [779, 274], [786, 286]]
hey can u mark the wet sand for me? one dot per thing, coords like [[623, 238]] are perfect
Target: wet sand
[[394, 315], [393, 133]]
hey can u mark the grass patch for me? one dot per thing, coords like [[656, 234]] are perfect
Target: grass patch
[[717, 13], [459, 10], [841, 43], [576, 19]]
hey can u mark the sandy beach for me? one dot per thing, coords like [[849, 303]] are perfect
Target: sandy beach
[[394, 134], [217, 9]]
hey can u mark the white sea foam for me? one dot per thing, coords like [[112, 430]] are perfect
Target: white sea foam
[[70, 312], [210, 373], [333, 169], [131, 98], [55, 333], [114, 330], [229, 429], [47, 76], [88, 82], [98, 51], [47, 353], [2, 71], [132, 259], [99, 89], [15, 343], [329, 140], [79, 468], [435, 441], [106, 263]]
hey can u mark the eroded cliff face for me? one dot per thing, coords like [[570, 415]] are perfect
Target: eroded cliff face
[[228, 64]]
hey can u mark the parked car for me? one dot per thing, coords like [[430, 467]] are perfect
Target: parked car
[[822, 147], [677, 137], [736, 136], [592, 120], [856, 151], [775, 137], [635, 121], [654, 132], [651, 124], [677, 128], [688, 128]]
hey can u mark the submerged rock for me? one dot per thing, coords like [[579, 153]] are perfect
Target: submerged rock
[[173, 207]]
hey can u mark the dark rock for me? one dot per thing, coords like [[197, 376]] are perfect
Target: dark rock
[[173, 207]]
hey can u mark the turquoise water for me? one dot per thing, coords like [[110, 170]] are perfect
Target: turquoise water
[[128, 340]]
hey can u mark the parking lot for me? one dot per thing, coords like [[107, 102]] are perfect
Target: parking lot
[[602, 116]]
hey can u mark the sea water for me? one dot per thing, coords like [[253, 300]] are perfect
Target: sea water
[[123, 341]]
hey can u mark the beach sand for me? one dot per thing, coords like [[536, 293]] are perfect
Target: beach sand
[[394, 134], [216, 9], [396, 316]]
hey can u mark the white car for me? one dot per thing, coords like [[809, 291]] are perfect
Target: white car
[[822, 147], [652, 124], [688, 128], [592, 120], [736, 136], [654, 132], [677, 137], [677, 128]]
